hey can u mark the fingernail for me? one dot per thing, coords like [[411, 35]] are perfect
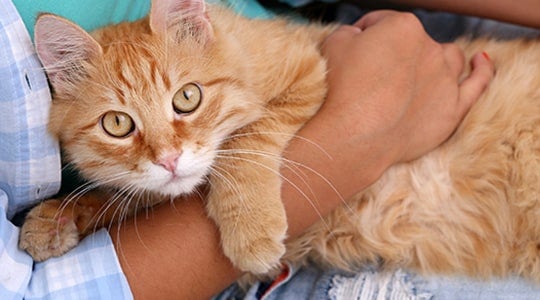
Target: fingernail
[[486, 55]]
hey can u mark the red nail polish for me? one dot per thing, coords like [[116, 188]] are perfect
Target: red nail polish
[[486, 55]]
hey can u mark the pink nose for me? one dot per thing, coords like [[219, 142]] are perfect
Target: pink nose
[[169, 161]]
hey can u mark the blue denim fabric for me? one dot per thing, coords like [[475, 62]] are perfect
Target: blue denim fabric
[[370, 284]]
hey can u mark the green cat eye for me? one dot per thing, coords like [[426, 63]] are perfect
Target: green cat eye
[[117, 124], [188, 98]]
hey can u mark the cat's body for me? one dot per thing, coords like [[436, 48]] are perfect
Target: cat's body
[[472, 206]]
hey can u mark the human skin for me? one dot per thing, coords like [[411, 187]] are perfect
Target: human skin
[[524, 12], [364, 127]]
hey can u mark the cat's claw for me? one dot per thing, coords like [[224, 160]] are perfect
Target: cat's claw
[[43, 238]]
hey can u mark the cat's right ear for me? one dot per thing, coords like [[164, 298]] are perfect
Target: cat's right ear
[[63, 47], [180, 19]]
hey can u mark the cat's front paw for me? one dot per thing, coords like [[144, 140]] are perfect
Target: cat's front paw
[[45, 236], [258, 253]]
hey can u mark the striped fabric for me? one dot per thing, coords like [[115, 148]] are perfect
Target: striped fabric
[[29, 172]]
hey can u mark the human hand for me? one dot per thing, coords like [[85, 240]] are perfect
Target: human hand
[[401, 86], [394, 95]]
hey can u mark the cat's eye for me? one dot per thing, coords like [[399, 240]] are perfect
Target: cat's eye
[[188, 98], [117, 124]]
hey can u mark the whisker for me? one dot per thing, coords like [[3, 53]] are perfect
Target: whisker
[[289, 162], [304, 195], [78, 192], [224, 175], [290, 136]]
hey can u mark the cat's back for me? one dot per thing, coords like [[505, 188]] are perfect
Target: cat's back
[[506, 120], [515, 87]]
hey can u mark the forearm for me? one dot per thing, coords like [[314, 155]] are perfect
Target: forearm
[[525, 12], [176, 253], [316, 179], [173, 254]]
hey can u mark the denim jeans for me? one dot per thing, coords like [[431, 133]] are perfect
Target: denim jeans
[[371, 284]]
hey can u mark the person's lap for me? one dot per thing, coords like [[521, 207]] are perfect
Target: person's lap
[[315, 283]]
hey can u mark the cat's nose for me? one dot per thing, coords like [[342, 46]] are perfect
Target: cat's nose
[[169, 161]]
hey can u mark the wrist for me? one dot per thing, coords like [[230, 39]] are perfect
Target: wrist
[[320, 173]]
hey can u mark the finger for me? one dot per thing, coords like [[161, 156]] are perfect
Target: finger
[[342, 32], [373, 17], [349, 29], [455, 59], [340, 35], [474, 85]]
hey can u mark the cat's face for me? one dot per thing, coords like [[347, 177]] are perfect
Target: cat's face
[[144, 112]]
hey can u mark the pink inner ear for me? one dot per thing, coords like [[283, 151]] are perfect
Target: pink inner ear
[[46, 31], [158, 16], [61, 43], [167, 15]]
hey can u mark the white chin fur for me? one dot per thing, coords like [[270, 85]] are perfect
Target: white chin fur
[[190, 173], [180, 186]]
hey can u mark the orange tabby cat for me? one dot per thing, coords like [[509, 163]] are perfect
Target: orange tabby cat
[[149, 110]]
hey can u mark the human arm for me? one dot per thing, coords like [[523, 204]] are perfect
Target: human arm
[[175, 253], [525, 12]]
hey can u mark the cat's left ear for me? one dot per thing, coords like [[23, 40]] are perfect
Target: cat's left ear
[[180, 19]]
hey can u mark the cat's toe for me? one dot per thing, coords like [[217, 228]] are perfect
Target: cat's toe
[[43, 238]]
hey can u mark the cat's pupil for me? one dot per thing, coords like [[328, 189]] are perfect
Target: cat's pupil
[[187, 94]]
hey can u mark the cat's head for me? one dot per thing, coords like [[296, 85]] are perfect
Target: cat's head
[[147, 106]]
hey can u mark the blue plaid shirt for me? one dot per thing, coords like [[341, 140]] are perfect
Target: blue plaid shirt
[[29, 172]]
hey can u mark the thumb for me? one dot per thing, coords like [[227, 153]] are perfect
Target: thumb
[[472, 87]]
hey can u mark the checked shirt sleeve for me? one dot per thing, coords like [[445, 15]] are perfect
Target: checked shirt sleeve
[[30, 171], [90, 271]]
